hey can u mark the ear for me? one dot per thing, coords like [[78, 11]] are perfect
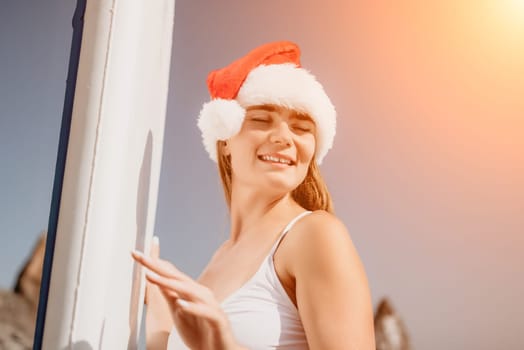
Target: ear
[[225, 148]]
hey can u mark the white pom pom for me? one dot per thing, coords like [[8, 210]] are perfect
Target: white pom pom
[[219, 119]]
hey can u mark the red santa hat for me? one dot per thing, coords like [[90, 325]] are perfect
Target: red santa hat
[[269, 74]]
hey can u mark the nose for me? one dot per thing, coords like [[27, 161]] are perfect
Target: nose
[[281, 134]]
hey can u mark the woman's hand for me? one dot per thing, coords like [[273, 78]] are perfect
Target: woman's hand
[[198, 317]]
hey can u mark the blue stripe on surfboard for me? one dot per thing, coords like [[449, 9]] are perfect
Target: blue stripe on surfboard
[[74, 57]]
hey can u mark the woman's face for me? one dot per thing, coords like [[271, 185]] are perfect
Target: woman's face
[[273, 148]]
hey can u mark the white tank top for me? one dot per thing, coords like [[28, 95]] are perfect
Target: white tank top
[[261, 314]]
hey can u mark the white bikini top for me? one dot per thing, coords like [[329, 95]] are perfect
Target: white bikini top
[[261, 314]]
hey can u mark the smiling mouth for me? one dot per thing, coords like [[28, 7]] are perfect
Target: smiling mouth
[[274, 159]]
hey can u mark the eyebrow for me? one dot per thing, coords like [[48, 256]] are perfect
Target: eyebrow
[[269, 108]]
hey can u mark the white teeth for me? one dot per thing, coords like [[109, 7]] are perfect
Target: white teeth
[[275, 159]]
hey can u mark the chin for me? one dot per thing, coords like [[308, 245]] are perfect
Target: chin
[[280, 185]]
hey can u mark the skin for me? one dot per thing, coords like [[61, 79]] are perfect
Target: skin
[[317, 262]]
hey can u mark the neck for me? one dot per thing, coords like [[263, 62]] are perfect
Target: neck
[[254, 208]]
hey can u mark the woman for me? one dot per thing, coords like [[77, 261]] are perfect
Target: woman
[[289, 276]]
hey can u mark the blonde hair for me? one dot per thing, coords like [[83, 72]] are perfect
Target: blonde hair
[[312, 194]]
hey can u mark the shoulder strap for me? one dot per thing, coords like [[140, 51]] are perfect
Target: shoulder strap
[[288, 227], [292, 222]]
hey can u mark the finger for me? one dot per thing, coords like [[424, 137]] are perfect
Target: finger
[[169, 295], [199, 310], [154, 252], [155, 248], [196, 309], [161, 267], [183, 289], [151, 292]]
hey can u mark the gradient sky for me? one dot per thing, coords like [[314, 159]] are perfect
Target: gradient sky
[[427, 169]]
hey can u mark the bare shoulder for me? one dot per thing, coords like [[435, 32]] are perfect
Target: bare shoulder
[[318, 229], [321, 241], [321, 221]]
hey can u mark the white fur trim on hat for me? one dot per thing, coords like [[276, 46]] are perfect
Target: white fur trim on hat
[[283, 85], [219, 119]]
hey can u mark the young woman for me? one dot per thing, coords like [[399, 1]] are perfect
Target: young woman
[[289, 276]]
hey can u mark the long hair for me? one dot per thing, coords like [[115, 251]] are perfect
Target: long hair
[[312, 194]]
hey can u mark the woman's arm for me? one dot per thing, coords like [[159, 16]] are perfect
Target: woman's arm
[[157, 340], [332, 291], [158, 321]]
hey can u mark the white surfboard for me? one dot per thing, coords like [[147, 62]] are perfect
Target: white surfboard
[[110, 184]]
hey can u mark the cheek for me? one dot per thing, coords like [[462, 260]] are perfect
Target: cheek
[[237, 160], [241, 156], [307, 148]]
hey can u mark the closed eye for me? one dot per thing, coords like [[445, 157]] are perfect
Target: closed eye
[[303, 128]]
